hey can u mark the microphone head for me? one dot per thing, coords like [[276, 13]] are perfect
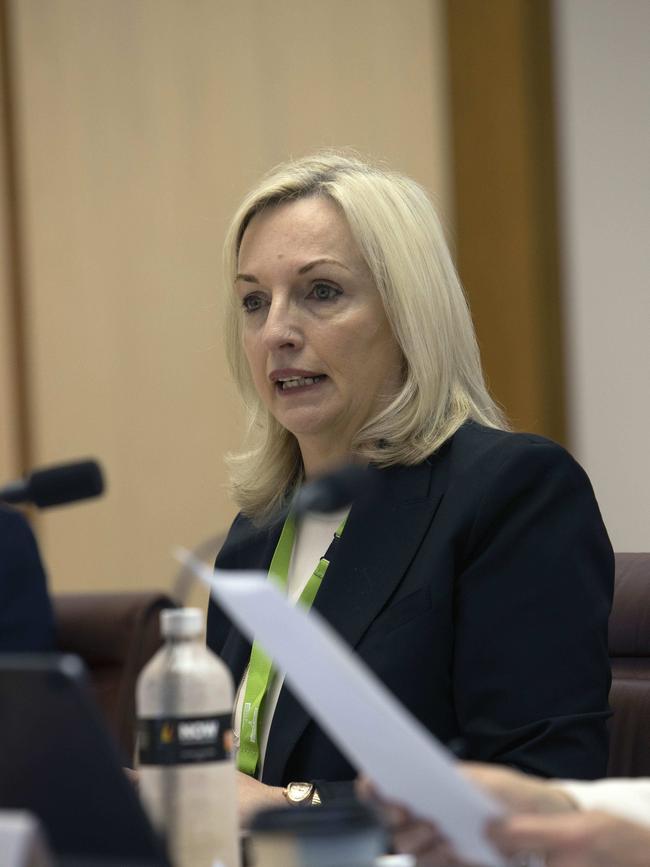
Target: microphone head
[[65, 483], [333, 491]]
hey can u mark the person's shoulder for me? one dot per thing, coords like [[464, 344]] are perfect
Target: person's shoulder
[[476, 450], [11, 518], [476, 442], [479, 439], [14, 528], [504, 476]]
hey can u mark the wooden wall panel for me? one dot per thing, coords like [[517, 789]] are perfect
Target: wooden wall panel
[[140, 124], [505, 188]]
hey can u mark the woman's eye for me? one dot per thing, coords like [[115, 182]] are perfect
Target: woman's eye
[[324, 292], [251, 303]]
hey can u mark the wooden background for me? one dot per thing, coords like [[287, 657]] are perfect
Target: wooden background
[[131, 128]]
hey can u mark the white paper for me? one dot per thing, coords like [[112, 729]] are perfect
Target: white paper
[[366, 722]]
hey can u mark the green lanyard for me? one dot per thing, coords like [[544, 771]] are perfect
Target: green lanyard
[[260, 667]]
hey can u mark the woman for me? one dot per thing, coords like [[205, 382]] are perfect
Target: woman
[[478, 585]]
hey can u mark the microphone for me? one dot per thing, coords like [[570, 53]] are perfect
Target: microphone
[[333, 491], [54, 486], [326, 494]]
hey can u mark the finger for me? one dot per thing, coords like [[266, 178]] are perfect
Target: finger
[[392, 813], [420, 838], [394, 816], [544, 833], [364, 788]]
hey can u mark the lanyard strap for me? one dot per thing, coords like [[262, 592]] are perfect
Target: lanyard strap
[[260, 666]]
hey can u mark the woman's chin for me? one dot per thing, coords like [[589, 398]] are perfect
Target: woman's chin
[[314, 429]]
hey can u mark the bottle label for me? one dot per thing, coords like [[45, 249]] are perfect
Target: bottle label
[[183, 740]]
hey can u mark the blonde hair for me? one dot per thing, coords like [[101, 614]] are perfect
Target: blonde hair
[[402, 241]]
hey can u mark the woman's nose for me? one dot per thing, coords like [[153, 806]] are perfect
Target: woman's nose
[[282, 327]]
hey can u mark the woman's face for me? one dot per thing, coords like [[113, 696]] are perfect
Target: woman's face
[[320, 349]]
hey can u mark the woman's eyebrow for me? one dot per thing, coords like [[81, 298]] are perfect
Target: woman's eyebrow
[[323, 261], [250, 278]]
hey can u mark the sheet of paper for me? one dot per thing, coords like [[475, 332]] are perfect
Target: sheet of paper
[[370, 727]]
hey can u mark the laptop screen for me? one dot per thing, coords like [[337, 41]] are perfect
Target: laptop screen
[[57, 761]]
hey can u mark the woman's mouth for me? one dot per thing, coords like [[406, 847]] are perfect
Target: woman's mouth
[[298, 382]]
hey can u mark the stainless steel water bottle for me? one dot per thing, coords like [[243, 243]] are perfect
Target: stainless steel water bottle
[[186, 773]]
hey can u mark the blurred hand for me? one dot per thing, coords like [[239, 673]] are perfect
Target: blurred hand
[[409, 834], [253, 796], [516, 791], [519, 792], [589, 839]]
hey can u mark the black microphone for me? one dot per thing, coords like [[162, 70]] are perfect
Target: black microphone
[[333, 491], [53, 486], [325, 494]]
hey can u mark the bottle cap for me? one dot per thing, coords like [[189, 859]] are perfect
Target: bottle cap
[[181, 622]]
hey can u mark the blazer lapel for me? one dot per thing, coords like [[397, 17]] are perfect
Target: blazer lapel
[[382, 536], [237, 648], [235, 654]]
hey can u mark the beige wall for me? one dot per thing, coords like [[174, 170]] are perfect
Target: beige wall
[[604, 120], [139, 125], [10, 457], [9, 428]]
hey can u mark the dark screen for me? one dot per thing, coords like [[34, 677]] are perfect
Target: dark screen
[[57, 761]]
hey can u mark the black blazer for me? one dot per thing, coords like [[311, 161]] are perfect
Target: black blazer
[[26, 619], [477, 586]]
